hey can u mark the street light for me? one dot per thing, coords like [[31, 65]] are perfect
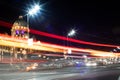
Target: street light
[[32, 12], [70, 34]]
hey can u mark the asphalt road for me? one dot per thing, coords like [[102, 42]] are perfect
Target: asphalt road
[[71, 73]]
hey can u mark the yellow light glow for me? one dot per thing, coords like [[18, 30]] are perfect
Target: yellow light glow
[[6, 40]]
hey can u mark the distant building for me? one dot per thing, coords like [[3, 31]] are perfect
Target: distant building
[[20, 28]]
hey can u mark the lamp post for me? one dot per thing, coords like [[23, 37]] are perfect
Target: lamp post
[[70, 34], [31, 12]]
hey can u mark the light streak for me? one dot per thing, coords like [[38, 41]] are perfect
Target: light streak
[[2, 23], [22, 43], [69, 39], [9, 38], [5, 24]]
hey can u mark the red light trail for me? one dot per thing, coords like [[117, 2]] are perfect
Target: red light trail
[[7, 40], [5, 24], [2, 23], [69, 39]]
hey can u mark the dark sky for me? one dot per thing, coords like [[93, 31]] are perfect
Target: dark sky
[[94, 21]]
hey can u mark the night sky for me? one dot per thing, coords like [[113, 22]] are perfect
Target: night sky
[[94, 21]]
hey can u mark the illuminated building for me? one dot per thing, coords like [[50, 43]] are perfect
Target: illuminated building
[[19, 28]]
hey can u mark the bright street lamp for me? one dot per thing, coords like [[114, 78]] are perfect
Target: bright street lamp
[[71, 33], [32, 12]]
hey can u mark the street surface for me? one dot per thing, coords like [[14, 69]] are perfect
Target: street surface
[[70, 73]]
